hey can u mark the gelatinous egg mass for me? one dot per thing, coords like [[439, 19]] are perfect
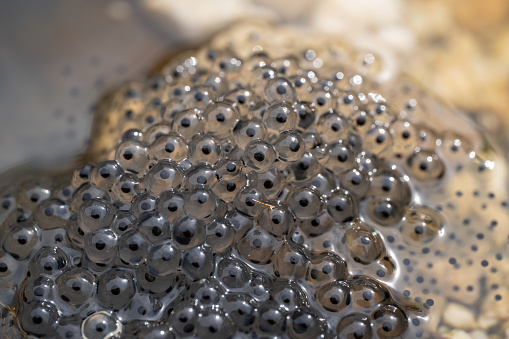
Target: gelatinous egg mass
[[258, 188]]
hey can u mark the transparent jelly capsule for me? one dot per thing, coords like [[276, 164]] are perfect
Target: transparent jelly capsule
[[214, 324], [132, 247], [353, 326], [198, 262], [183, 319], [305, 323], [200, 202], [81, 175], [271, 318], [76, 286], [259, 155], [84, 193], [379, 141], [333, 126], [323, 99], [355, 181], [405, 137], [233, 273], [126, 188], [163, 176], [228, 186], [198, 97], [325, 267], [426, 166], [303, 169], [219, 235], [8, 264], [163, 258], [49, 261], [287, 66], [279, 89], [334, 296], [51, 214], [204, 148], [389, 183], [303, 87], [367, 292], [220, 118], [249, 200], [342, 206], [39, 318], [290, 146], [206, 293], [154, 284], [364, 243], [21, 240], [242, 99], [115, 288], [305, 203], [339, 157], [241, 309], [95, 214], [171, 146], [188, 123], [33, 192], [381, 113], [132, 156], [290, 261], [39, 288], [278, 220], [288, 294], [171, 205], [427, 137], [143, 203], [367, 162], [260, 76], [390, 321], [421, 225], [188, 231], [257, 246], [280, 117], [105, 174], [132, 134], [200, 175], [361, 121], [455, 148], [153, 226], [100, 325], [259, 286], [171, 108], [144, 306], [124, 221], [101, 245], [270, 183], [215, 81], [247, 130], [155, 132], [306, 115], [240, 222], [384, 211], [74, 232], [317, 226]]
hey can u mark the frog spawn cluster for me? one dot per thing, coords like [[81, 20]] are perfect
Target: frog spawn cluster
[[246, 198]]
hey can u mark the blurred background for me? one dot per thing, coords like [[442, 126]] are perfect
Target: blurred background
[[57, 56]]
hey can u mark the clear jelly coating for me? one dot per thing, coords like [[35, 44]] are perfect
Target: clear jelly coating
[[257, 195]]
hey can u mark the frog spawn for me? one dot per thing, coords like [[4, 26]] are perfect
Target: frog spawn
[[243, 199]]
